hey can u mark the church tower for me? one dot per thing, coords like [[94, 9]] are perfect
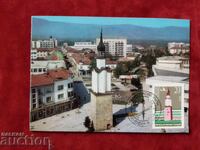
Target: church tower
[[101, 98], [168, 107]]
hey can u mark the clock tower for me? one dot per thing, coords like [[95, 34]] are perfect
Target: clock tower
[[101, 98], [168, 107]]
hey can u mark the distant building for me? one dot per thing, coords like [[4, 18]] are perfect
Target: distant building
[[171, 66], [84, 45], [51, 93], [129, 48], [82, 63], [42, 53], [40, 67], [51, 43], [178, 48], [115, 47]]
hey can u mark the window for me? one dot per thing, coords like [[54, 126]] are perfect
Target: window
[[33, 100], [40, 69], [35, 70], [60, 87], [70, 94], [48, 90], [34, 106], [60, 96], [48, 99], [33, 95], [70, 85], [33, 90]]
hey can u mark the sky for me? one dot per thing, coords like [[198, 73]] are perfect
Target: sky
[[145, 22]]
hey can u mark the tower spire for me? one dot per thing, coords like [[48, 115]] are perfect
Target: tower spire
[[101, 46], [168, 92]]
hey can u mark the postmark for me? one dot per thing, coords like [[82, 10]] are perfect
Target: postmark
[[141, 107]]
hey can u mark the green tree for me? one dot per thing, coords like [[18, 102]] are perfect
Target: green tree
[[93, 64]]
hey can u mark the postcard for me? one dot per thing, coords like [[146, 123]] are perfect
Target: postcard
[[109, 74]]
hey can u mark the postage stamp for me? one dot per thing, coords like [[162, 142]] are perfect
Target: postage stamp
[[171, 112]]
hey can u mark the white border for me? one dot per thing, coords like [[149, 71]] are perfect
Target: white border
[[170, 84]]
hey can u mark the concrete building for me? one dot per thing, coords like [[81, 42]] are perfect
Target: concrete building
[[34, 54], [171, 66], [50, 43], [42, 53], [42, 66], [51, 93], [84, 45], [129, 48], [115, 47], [101, 98], [178, 48]]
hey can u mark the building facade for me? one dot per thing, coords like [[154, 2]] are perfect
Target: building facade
[[84, 45], [115, 47], [51, 93], [50, 43]]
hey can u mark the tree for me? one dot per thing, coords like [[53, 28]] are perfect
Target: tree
[[89, 124], [136, 82], [93, 64]]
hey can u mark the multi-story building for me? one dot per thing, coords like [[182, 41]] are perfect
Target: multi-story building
[[51, 43], [129, 48], [171, 66], [34, 54], [40, 67], [178, 48], [42, 53], [115, 47], [51, 93], [84, 45]]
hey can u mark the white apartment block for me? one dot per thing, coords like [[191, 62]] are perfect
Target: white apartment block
[[115, 47], [50, 92], [51, 43], [35, 54]]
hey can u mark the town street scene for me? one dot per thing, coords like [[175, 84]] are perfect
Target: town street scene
[[104, 74]]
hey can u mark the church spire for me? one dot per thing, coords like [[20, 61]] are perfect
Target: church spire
[[101, 46]]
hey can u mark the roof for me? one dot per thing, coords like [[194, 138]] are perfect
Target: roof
[[110, 61], [81, 58], [50, 77], [171, 58], [180, 47], [50, 64], [170, 79], [47, 49]]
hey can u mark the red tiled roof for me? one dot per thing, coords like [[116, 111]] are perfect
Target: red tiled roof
[[49, 77], [110, 61], [41, 79], [81, 58]]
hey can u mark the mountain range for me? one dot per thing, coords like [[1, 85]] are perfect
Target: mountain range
[[42, 28]]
